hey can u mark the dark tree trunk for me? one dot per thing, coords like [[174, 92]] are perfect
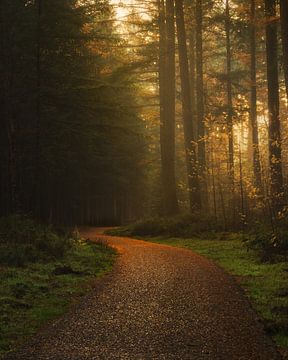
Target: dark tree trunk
[[229, 94], [253, 101], [200, 102], [200, 92], [192, 72], [8, 120], [190, 148], [275, 159], [167, 104], [37, 165], [284, 30]]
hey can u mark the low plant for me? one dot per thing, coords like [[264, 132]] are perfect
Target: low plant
[[184, 225], [271, 245], [23, 240]]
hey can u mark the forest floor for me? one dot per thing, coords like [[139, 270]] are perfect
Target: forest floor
[[160, 302], [35, 293]]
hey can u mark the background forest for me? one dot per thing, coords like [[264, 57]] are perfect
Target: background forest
[[167, 117], [71, 140], [151, 109]]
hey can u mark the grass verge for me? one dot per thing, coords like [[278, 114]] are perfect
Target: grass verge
[[40, 291], [266, 284]]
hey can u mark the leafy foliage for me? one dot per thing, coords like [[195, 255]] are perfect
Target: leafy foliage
[[270, 245]]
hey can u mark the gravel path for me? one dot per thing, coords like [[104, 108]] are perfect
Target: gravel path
[[159, 303]]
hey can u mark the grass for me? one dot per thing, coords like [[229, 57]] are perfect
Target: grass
[[41, 291], [266, 284]]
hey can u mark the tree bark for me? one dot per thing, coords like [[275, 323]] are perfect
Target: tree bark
[[229, 94], [37, 169], [167, 104], [275, 159], [201, 131], [190, 145], [192, 73], [200, 91], [284, 30], [253, 100]]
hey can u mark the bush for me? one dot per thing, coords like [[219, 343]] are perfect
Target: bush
[[23, 240], [269, 244], [185, 225]]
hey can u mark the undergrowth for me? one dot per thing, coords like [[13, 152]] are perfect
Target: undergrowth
[[23, 240], [271, 245], [42, 270]]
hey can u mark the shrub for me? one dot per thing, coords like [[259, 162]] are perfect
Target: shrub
[[185, 225], [23, 240], [269, 244]]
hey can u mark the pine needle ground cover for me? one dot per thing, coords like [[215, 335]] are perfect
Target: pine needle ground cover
[[37, 291]]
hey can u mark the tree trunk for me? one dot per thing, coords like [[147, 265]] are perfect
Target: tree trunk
[[275, 160], [9, 123], [190, 148], [167, 104], [37, 169], [253, 101], [192, 73], [200, 92], [200, 102], [229, 95], [284, 30]]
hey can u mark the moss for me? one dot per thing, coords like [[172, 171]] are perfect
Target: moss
[[34, 294]]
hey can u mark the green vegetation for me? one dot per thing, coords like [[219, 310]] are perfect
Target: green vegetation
[[41, 273], [270, 244], [184, 225]]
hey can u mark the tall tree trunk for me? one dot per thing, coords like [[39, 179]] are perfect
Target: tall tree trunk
[[253, 100], [284, 30], [275, 159], [229, 94], [37, 169], [167, 104], [9, 123], [200, 90], [190, 148], [192, 71]]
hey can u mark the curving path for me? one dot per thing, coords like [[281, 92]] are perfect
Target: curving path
[[159, 303]]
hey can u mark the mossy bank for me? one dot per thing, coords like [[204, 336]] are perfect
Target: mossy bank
[[38, 280]]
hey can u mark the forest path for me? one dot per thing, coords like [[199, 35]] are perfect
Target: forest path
[[159, 302]]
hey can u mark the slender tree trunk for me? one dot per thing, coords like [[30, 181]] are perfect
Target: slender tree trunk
[[229, 94], [190, 147], [192, 72], [275, 159], [213, 179], [9, 123], [167, 104], [241, 182], [253, 100], [200, 90], [284, 30], [37, 177]]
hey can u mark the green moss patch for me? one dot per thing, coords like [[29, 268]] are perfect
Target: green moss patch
[[40, 291]]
